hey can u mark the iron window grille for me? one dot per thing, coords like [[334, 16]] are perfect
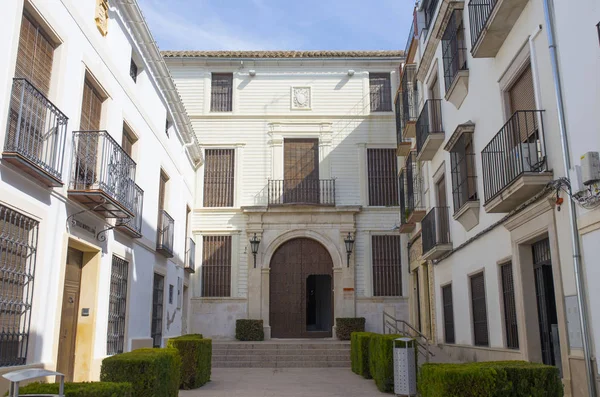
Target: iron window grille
[[190, 256], [382, 177], [216, 266], [133, 71], [454, 48], [510, 310], [479, 310], [37, 129], [403, 190], [135, 223], [117, 306], [479, 14], [301, 191], [448, 312], [430, 9], [399, 118], [157, 310], [18, 251], [414, 185], [171, 293], [410, 95], [166, 233], [387, 275], [464, 179], [219, 177], [436, 228], [429, 122], [221, 94], [380, 92]]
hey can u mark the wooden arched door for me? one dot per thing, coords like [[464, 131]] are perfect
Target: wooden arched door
[[301, 290]]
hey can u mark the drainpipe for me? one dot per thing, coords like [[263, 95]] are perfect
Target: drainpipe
[[536, 82], [579, 282]]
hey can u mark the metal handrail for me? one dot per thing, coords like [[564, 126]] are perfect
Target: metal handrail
[[425, 345]]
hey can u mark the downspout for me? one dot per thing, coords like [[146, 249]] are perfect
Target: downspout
[[579, 282]]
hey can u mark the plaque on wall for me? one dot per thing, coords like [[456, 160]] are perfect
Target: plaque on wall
[[301, 98]]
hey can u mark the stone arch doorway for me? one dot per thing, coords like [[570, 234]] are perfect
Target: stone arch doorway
[[301, 290]]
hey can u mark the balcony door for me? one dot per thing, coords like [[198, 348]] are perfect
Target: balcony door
[[86, 166], [301, 171]]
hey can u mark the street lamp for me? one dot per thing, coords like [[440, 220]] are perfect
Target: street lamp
[[254, 243], [349, 240]]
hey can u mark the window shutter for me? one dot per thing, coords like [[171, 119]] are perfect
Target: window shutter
[[162, 191], [448, 314], [387, 276], [34, 56], [522, 97], [382, 177], [219, 177], [216, 266], [479, 309], [510, 310], [91, 108], [380, 92], [301, 170], [221, 92]]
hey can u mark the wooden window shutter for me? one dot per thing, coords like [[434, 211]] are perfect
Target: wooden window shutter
[[216, 266], [221, 95], [162, 190], [91, 108], [382, 177], [127, 142], [387, 275], [301, 170], [522, 97], [479, 310], [34, 56], [219, 177], [380, 92], [448, 314]]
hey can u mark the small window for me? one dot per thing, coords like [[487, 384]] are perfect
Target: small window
[[221, 94], [464, 179], [387, 274], [216, 266], [219, 177], [115, 339], [171, 291], [381, 92], [382, 168], [510, 309], [479, 309], [157, 310], [133, 70], [128, 140], [167, 126], [448, 314]]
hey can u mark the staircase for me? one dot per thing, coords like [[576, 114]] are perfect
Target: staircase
[[281, 354]]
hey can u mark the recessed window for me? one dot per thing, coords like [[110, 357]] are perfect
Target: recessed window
[[479, 311], [157, 310], [167, 126], [448, 313], [464, 179], [454, 48], [221, 92], [171, 292], [117, 308], [510, 309], [382, 168], [133, 70], [387, 275], [380, 92], [216, 266], [219, 177]]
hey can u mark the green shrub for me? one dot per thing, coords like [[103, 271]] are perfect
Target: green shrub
[[381, 361], [490, 379], [196, 355], [91, 389], [359, 353], [249, 330], [151, 372], [344, 327]]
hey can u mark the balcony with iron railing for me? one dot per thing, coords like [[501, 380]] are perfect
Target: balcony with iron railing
[[429, 130], [411, 42], [301, 192], [165, 234], [430, 9], [36, 134], [491, 21], [133, 226], [403, 144], [405, 225], [415, 209], [514, 162], [436, 233], [102, 175], [409, 100], [190, 256]]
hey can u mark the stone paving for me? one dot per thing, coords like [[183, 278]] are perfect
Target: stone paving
[[285, 382]]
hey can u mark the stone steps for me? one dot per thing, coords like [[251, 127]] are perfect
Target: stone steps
[[276, 354]]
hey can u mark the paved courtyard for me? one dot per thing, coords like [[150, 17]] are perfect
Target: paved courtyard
[[288, 382]]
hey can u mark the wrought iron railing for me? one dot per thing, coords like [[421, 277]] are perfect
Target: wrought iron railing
[[166, 233], [462, 167], [410, 94], [403, 187], [190, 256], [479, 14], [454, 48], [430, 10], [399, 123], [414, 193], [412, 33], [436, 228], [99, 163], [301, 191], [429, 121], [135, 223], [517, 148], [37, 129]]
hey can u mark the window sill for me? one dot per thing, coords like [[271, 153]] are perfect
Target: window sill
[[468, 215], [459, 89]]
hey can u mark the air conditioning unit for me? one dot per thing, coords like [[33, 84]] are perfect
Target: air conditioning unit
[[526, 154]]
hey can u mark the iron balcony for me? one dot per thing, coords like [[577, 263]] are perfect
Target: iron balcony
[[133, 226], [36, 134], [165, 235], [190, 256], [301, 192], [430, 130], [436, 233]]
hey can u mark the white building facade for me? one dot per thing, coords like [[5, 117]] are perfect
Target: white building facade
[[491, 260], [300, 152], [97, 178]]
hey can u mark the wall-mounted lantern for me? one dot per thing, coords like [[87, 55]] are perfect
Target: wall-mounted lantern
[[349, 240], [254, 243]]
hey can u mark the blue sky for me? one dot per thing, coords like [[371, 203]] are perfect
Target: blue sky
[[279, 24]]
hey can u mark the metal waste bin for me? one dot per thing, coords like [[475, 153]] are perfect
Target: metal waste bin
[[405, 367], [16, 377]]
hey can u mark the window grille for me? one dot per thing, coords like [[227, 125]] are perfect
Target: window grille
[[454, 48], [18, 249], [221, 94], [510, 310], [448, 314], [216, 266], [387, 277], [157, 310], [133, 71], [117, 306], [479, 309], [464, 179], [219, 177], [383, 177], [380, 92]]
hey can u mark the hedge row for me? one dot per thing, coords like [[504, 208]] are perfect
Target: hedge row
[[490, 379], [196, 358], [359, 353], [91, 389], [249, 330], [344, 327]]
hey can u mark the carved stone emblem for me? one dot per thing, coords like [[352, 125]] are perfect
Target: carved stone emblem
[[301, 98], [102, 16]]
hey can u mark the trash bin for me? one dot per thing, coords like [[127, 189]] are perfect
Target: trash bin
[[405, 367], [22, 375]]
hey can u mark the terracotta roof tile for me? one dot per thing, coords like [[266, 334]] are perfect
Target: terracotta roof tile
[[282, 54]]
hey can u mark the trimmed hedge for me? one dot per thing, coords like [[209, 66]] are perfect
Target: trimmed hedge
[[359, 353], [249, 330], [344, 327], [381, 361], [87, 389], [490, 379], [151, 372], [196, 356]]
